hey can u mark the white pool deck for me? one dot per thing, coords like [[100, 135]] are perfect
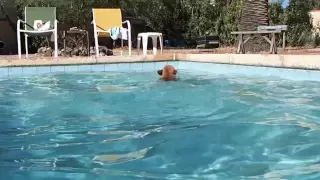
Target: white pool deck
[[303, 61]]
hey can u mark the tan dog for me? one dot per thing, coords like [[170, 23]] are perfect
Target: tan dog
[[168, 73]]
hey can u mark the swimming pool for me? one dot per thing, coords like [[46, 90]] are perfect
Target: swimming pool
[[114, 125]]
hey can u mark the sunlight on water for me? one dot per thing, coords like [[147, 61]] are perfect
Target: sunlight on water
[[121, 158], [123, 126]]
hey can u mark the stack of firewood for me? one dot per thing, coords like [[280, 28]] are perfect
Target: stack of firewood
[[103, 51], [45, 51], [76, 51]]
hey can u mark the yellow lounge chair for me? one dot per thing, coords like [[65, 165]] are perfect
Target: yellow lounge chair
[[103, 20]]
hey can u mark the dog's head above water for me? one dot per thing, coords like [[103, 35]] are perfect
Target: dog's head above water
[[168, 73]]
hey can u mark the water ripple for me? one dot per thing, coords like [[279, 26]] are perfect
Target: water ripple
[[132, 126]]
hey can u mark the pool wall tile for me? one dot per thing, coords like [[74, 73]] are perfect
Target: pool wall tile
[[136, 67], [4, 72], [292, 74], [175, 64], [203, 68], [147, 67], [98, 68], [124, 67], [84, 68], [160, 65], [295, 74], [55, 69], [43, 69], [314, 76], [111, 67], [71, 68], [14, 71], [27, 71]]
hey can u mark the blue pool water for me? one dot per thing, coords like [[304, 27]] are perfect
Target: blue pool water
[[123, 126]]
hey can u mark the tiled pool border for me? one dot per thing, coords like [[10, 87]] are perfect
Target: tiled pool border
[[298, 67], [282, 61], [195, 67], [223, 69], [310, 62], [8, 72], [262, 60]]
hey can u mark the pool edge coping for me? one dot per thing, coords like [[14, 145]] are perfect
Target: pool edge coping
[[305, 62]]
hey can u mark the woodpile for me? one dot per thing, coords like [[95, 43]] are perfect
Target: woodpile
[[75, 51], [45, 52], [103, 51], [75, 42]]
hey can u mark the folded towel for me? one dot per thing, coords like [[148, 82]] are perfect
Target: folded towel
[[116, 33], [39, 26], [45, 27], [124, 33]]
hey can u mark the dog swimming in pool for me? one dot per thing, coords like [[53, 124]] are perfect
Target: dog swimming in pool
[[168, 73]]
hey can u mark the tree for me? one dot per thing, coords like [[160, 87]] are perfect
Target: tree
[[189, 19], [159, 15], [277, 17], [315, 4], [183, 19], [228, 21], [299, 23], [254, 13], [276, 13], [203, 20]]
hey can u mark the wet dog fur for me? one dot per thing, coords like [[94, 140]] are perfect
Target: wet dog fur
[[168, 73]]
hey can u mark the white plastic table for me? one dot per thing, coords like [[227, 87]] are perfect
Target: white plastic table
[[154, 36]]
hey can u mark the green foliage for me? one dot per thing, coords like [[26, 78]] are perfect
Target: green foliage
[[162, 16], [277, 16], [228, 22], [299, 23], [276, 13], [203, 19], [187, 19], [315, 4]]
